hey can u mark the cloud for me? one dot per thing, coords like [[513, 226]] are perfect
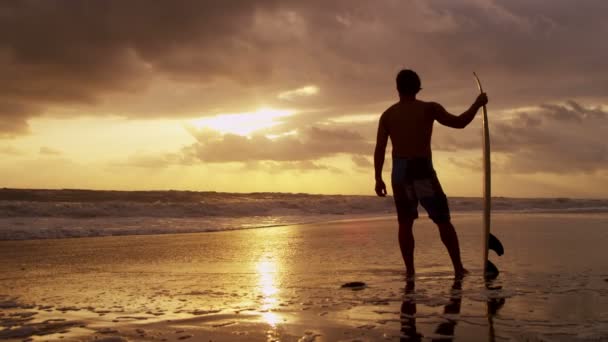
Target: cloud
[[60, 53], [158, 160], [180, 58], [568, 139], [10, 150], [474, 164], [273, 167], [300, 92], [154, 161], [552, 138], [362, 162], [308, 144], [13, 118], [47, 151], [572, 111]]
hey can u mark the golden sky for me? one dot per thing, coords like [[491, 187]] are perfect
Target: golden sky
[[284, 96]]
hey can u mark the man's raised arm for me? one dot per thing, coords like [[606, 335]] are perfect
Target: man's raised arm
[[462, 120], [381, 141]]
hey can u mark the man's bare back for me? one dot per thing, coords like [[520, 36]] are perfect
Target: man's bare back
[[409, 125]]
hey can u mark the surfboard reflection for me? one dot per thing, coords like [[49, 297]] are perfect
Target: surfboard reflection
[[451, 311], [493, 304]]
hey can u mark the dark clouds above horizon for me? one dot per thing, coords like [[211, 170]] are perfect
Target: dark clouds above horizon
[[559, 139], [541, 61], [107, 56]]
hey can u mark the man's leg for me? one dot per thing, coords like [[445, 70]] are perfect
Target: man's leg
[[406, 243], [406, 204], [450, 240], [434, 200]]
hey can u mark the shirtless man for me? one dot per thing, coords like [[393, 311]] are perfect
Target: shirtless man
[[409, 124]]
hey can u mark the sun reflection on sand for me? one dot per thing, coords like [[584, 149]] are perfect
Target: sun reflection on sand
[[267, 270]]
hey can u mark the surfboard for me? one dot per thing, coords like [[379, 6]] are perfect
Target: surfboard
[[490, 271]]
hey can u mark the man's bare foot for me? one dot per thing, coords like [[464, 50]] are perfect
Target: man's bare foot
[[461, 273]]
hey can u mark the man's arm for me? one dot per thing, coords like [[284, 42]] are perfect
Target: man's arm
[[381, 141], [462, 120]]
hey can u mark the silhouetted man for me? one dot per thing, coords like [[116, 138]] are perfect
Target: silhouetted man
[[409, 124]]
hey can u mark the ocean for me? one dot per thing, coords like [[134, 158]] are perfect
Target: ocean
[[45, 214]]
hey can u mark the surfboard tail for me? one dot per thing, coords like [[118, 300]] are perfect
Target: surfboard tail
[[491, 271], [495, 245]]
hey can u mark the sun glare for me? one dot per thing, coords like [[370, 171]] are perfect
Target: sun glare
[[243, 123]]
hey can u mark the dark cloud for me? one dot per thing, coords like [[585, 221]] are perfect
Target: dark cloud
[[62, 52], [13, 117], [567, 138], [572, 112], [362, 162], [474, 164], [309, 144], [107, 56], [550, 138]]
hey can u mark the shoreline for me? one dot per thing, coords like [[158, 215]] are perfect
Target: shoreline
[[334, 219]]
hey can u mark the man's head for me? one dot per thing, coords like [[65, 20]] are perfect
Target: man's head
[[408, 82]]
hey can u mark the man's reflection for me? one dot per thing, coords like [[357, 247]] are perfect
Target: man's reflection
[[451, 311], [408, 313]]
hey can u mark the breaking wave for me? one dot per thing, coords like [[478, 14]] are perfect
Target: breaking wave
[[30, 214]]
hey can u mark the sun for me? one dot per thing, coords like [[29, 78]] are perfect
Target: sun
[[243, 123]]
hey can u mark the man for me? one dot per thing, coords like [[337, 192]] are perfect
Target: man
[[409, 124]]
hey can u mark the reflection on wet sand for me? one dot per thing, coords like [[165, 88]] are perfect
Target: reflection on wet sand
[[408, 314], [267, 271], [451, 311], [492, 307]]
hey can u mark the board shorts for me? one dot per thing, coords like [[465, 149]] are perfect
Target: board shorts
[[414, 181]]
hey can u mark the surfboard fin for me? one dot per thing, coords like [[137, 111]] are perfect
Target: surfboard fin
[[491, 270], [495, 245]]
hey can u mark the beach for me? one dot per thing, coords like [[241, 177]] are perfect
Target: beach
[[233, 171], [285, 284]]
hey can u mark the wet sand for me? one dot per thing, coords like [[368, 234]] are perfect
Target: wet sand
[[284, 283]]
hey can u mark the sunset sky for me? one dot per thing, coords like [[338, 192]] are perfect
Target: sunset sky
[[284, 96]]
